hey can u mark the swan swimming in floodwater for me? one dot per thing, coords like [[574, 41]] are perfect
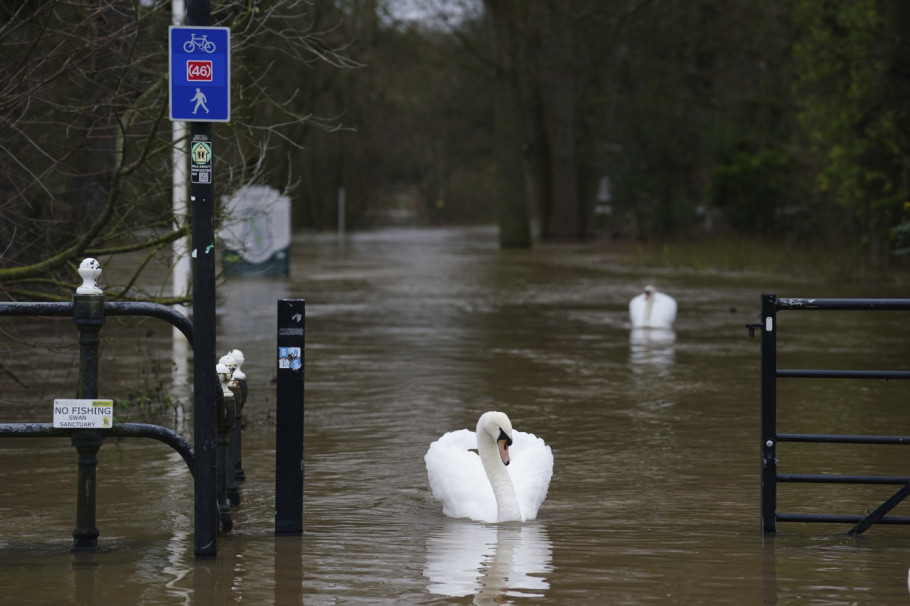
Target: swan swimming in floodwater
[[652, 309], [505, 480]]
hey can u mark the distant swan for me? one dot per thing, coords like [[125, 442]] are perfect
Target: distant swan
[[507, 482], [652, 309]]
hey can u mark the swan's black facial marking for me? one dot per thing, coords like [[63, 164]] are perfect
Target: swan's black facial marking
[[504, 441]]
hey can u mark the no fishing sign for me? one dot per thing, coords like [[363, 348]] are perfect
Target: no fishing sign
[[84, 414]]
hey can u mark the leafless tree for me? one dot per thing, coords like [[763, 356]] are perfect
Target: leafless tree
[[85, 140]]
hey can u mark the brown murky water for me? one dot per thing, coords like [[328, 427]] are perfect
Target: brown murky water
[[411, 333]]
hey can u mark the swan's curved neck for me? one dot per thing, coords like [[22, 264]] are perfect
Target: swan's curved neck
[[507, 508]]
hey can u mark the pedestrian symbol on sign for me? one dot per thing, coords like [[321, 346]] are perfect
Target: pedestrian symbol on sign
[[200, 100]]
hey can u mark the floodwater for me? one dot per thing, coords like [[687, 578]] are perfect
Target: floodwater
[[412, 333]]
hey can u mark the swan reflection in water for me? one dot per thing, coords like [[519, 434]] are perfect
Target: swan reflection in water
[[652, 348], [489, 562]]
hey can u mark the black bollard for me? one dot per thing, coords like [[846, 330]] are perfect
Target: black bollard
[[289, 418], [88, 315]]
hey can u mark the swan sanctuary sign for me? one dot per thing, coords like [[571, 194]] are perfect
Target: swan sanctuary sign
[[84, 414]]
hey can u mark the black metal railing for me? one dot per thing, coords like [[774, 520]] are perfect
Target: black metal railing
[[770, 437], [88, 312]]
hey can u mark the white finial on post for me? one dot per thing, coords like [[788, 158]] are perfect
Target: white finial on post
[[230, 363], [89, 270], [224, 377], [239, 375]]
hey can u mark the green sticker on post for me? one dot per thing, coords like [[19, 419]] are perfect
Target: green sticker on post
[[200, 160], [202, 152]]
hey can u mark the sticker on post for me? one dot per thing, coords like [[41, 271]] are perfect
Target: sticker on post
[[289, 357], [201, 157], [84, 414]]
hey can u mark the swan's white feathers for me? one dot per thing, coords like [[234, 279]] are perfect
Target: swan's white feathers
[[531, 469], [459, 482], [453, 469], [658, 312]]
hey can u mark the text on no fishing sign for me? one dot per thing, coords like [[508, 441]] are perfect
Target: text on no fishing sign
[[84, 414]]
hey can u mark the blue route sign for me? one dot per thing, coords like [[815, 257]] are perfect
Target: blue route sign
[[200, 74]]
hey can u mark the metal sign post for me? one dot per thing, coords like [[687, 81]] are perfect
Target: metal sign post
[[205, 380], [200, 94]]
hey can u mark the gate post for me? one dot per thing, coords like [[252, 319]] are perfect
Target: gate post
[[226, 412], [769, 413], [88, 315], [230, 426], [236, 447]]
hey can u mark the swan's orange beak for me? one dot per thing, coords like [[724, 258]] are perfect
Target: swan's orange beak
[[504, 450], [504, 442]]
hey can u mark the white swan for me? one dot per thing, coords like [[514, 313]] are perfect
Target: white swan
[[507, 481], [652, 309]]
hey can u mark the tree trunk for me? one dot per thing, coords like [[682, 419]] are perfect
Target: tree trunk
[[512, 202], [557, 85], [548, 44]]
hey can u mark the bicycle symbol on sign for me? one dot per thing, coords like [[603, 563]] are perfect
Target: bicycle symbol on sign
[[200, 42]]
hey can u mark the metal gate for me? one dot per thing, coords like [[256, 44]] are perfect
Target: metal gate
[[770, 437]]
